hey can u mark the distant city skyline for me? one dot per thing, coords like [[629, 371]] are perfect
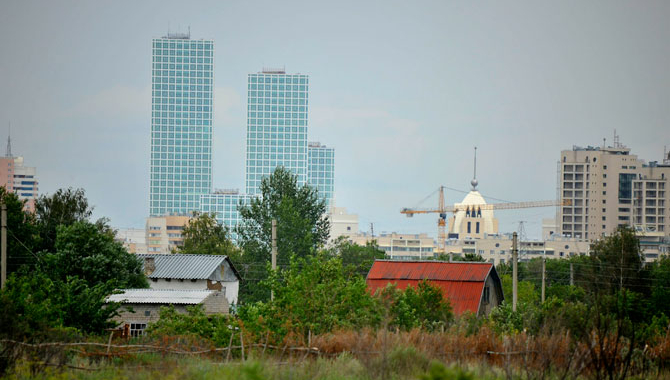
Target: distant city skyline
[[403, 91]]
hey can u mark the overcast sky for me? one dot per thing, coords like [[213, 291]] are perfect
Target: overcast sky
[[403, 90]]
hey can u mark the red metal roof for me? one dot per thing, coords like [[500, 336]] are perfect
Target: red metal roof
[[462, 283]]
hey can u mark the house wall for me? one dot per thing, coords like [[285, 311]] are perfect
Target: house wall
[[494, 300], [229, 288], [216, 303]]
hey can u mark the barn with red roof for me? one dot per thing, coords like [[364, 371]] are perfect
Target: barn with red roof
[[469, 286]]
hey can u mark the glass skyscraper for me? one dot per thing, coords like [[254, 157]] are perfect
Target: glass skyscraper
[[181, 123], [321, 170], [277, 107], [277, 110]]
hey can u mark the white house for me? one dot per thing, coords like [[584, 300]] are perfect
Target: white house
[[192, 272]]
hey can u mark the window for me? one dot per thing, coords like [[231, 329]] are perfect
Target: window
[[137, 329]]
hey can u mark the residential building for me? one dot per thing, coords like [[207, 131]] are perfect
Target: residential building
[[277, 106], [192, 272], [497, 248], [342, 223], [133, 239], [142, 306], [321, 170], [164, 233], [400, 246], [181, 123], [469, 287], [19, 179], [606, 187]]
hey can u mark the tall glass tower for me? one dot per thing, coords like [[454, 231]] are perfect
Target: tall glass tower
[[181, 123], [276, 126], [321, 170]]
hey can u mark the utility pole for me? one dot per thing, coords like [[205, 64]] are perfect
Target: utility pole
[[572, 276], [515, 273], [274, 251], [3, 245], [544, 275]]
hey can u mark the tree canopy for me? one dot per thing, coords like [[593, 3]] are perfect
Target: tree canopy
[[302, 227], [203, 235]]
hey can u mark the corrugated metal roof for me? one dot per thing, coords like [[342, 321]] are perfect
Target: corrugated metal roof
[[187, 267], [161, 296], [429, 270], [461, 282], [463, 296]]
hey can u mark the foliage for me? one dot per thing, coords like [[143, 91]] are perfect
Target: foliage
[[83, 251], [33, 304], [64, 207], [438, 371], [470, 257], [660, 287], [526, 292], [22, 237], [216, 328], [302, 227], [315, 294], [421, 307], [615, 263], [203, 235], [359, 258]]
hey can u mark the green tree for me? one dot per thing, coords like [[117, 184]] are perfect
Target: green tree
[[314, 294], [64, 207], [203, 235], [358, 257], [83, 251], [660, 294], [302, 227], [22, 237], [472, 257], [615, 263]]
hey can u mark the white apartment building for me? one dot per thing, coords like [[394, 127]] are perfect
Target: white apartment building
[[400, 246], [607, 187]]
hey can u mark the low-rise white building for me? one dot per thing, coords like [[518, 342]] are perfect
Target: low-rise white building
[[192, 272], [342, 223]]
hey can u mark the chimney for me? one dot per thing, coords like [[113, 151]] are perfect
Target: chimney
[[149, 265]]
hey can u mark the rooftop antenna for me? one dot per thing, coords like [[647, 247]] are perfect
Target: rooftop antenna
[[616, 140], [474, 182], [9, 141]]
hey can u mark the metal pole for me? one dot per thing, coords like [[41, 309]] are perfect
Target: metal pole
[[274, 250], [572, 276], [515, 273], [3, 245]]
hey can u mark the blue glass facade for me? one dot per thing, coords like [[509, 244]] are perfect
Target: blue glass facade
[[277, 106], [181, 124], [225, 206], [321, 170], [277, 121]]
